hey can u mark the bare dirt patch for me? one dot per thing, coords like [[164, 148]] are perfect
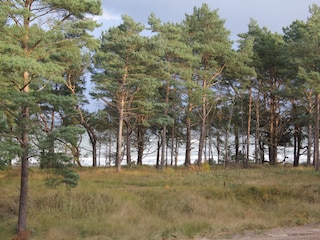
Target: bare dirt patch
[[302, 232]]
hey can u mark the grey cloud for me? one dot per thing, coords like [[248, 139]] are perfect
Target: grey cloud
[[274, 14]]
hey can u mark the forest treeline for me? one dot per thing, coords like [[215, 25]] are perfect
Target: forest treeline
[[183, 80]]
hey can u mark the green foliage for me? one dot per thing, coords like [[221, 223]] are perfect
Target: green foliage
[[62, 175]]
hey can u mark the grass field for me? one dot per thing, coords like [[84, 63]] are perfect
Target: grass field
[[145, 203]]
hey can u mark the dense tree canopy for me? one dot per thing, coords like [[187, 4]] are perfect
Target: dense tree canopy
[[181, 84]]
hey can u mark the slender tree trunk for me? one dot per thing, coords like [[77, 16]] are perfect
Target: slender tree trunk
[[92, 136], [22, 216], [246, 161], [310, 127], [309, 152], [202, 137], [236, 143], [188, 137], [273, 136], [176, 153], [316, 133], [128, 143], [93, 140], [218, 146], [119, 137], [163, 146], [140, 134], [164, 129], [172, 144], [110, 147], [158, 152], [128, 148], [296, 146], [257, 135]]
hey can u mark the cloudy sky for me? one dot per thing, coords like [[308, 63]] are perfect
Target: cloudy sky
[[273, 14]]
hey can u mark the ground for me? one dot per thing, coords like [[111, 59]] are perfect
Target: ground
[[310, 232]]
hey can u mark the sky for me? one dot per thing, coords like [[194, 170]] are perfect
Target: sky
[[273, 14]]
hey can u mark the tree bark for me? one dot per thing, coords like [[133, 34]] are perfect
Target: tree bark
[[22, 217], [236, 143], [203, 118], [309, 152], [25, 115], [188, 137], [246, 160], [297, 138], [316, 133], [119, 137], [140, 136], [257, 135], [273, 129]]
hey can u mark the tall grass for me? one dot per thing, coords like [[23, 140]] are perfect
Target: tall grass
[[144, 203]]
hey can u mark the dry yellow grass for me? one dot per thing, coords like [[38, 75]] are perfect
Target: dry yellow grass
[[144, 203]]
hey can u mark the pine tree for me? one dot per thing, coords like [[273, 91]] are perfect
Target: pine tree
[[35, 38], [124, 73], [210, 43]]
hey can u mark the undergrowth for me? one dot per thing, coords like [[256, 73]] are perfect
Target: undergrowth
[[145, 203]]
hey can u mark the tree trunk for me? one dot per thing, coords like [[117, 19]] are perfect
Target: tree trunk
[[163, 146], [257, 135], [176, 153], [218, 146], [93, 141], [172, 145], [226, 147], [309, 153], [188, 137], [22, 216], [246, 160], [310, 127], [273, 136], [296, 145], [316, 133], [119, 137], [92, 136], [202, 130], [109, 157], [236, 143], [164, 129], [140, 136], [128, 144], [158, 152]]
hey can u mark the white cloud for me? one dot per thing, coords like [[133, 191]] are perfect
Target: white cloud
[[107, 16]]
